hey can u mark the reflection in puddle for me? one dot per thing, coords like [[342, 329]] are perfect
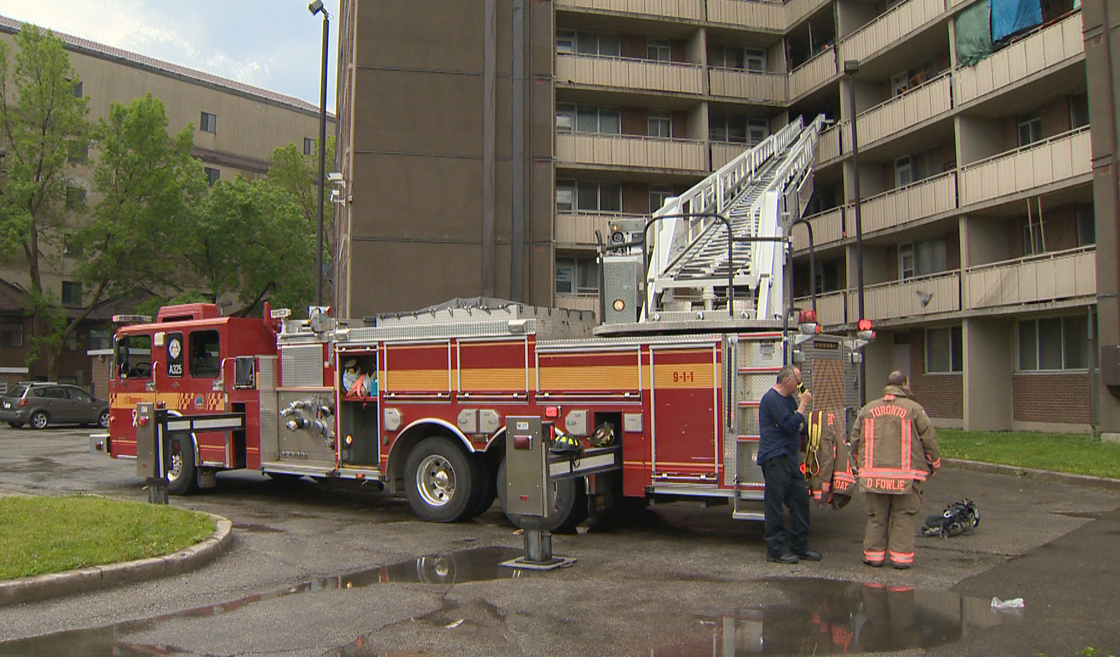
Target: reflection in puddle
[[822, 617], [457, 567]]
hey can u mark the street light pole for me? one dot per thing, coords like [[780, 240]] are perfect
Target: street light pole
[[316, 7], [851, 67]]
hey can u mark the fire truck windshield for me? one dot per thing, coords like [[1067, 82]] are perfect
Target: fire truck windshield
[[133, 357]]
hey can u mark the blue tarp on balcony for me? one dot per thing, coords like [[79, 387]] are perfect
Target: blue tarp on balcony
[[1011, 16]]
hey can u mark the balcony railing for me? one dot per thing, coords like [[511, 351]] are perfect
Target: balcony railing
[[913, 202], [572, 302], [1052, 45], [1045, 277], [627, 151], [629, 73], [830, 307], [723, 152], [905, 110], [913, 297], [1053, 160], [578, 227], [797, 10], [888, 28], [687, 9], [813, 73], [745, 13], [828, 227], [829, 146], [745, 85]]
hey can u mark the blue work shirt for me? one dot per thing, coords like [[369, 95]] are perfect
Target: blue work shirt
[[779, 427]]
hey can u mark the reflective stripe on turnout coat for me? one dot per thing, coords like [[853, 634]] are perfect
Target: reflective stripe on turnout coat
[[893, 444]]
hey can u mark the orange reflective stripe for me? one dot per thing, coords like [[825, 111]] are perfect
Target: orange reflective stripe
[[902, 557], [875, 556], [907, 446], [868, 442]]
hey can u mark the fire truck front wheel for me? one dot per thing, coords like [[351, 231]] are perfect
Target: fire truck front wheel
[[439, 479], [181, 476]]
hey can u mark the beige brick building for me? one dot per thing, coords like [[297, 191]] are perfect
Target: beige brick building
[[237, 126]]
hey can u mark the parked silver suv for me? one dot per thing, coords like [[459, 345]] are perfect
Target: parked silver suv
[[41, 404]]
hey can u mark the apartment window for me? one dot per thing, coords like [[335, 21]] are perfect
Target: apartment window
[[1086, 224], [899, 83], [921, 258], [1030, 128], [659, 50], [75, 198], [722, 127], [754, 60], [660, 124], [11, 334], [658, 195], [1078, 110], [725, 57], [944, 350], [577, 276], [588, 118], [79, 152], [72, 248], [757, 131], [827, 278], [903, 171], [1032, 236], [308, 146], [71, 293], [1054, 343], [565, 41], [588, 196], [208, 122], [71, 342], [604, 45], [78, 89], [212, 175], [100, 339]]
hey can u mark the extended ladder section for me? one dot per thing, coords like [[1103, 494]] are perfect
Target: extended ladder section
[[760, 193]]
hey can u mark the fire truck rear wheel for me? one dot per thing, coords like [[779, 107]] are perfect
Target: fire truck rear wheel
[[180, 476], [569, 509], [440, 481]]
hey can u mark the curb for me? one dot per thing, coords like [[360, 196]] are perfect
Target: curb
[[1041, 475], [40, 587]]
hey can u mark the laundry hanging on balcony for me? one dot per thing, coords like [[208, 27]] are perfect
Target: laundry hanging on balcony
[[974, 34], [1011, 16]]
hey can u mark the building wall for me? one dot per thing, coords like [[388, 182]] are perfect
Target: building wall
[[941, 394], [1051, 398]]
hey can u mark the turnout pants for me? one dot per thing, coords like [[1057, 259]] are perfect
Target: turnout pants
[[890, 526], [785, 485]]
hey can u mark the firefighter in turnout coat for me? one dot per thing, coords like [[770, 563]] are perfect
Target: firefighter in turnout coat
[[894, 449], [828, 471]]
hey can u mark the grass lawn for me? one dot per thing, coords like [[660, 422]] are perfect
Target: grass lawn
[[40, 535], [1073, 453]]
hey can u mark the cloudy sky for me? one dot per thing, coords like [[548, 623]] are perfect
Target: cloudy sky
[[274, 44]]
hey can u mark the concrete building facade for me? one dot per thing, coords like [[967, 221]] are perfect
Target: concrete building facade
[[974, 194], [237, 126]]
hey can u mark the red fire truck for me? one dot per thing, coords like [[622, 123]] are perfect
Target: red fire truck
[[418, 402]]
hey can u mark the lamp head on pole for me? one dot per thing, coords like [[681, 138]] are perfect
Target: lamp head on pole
[[316, 7], [851, 66]]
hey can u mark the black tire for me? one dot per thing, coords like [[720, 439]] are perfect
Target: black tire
[[484, 493], [181, 479], [103, 419], [15, 425], [39, 420], [440, 480], [569, 508]]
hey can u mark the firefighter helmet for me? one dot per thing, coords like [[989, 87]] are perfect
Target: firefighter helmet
[[563, 443], [957, 518]]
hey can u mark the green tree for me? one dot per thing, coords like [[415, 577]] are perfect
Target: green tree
[[298, 176], [43, 125], [146, 181]]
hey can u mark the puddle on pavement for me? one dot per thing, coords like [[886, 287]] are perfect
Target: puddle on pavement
[[826, 617], [473, 565]]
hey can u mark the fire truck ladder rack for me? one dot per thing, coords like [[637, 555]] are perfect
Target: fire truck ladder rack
[[689, 256]]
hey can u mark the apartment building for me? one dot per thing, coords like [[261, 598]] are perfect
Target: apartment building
[[974, 194], [237, 126]]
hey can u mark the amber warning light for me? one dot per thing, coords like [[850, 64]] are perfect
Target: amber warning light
[[807, 322], [865, 330]]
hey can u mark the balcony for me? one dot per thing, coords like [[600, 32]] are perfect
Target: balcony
[[629, 74], [679, 9], [830, 307], [744, 85], [913, 297], [905, 110], [592, 149], [828, 228], [828, 146], [889, 28], [813, 73], [913, 202], [745, 13], [1056, 44], [1050, 161], [578, 228], [1045, 277], [723, 152], [573, 302]]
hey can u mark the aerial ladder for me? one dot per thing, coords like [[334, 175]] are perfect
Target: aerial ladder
[[688, 264]]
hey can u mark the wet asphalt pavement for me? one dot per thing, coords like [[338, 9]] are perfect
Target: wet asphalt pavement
[[321, 571]]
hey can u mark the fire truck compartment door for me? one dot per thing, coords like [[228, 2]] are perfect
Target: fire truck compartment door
[[684, 395]]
